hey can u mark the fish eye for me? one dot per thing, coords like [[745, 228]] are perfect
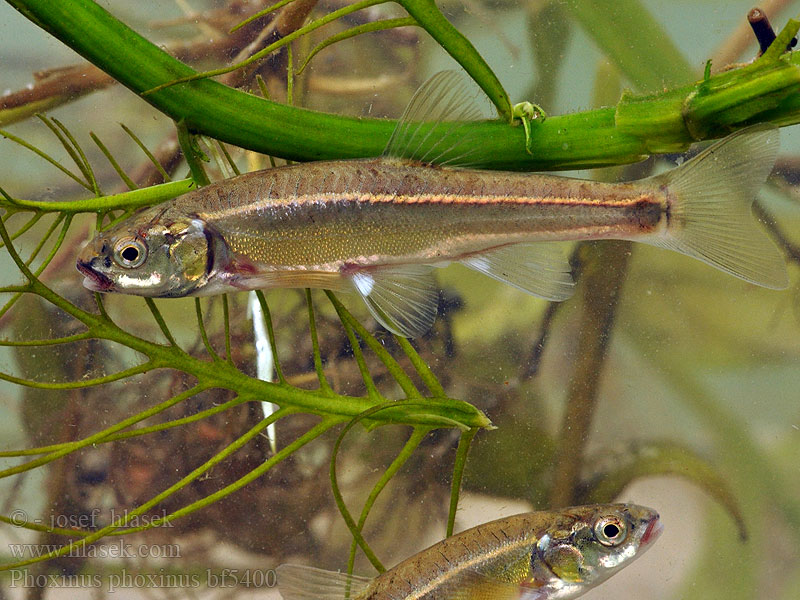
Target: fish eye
[[130, 252], [610, 530]]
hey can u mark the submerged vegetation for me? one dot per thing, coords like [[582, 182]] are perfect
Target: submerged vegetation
[[148, 417]]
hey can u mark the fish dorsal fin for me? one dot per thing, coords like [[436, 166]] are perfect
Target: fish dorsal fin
[[402, 298], [541, 269], [431, 129], [297, 582]]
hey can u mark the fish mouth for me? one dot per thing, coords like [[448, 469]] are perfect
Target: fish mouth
[[654, 529], [94, 280]]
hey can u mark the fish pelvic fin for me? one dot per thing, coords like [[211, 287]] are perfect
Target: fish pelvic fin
[[541, 269], [403, 298], [709, 207], [297, 582]]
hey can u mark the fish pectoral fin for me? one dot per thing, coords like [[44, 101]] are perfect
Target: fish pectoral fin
[[541, 269], [403, 299], [298, 582]]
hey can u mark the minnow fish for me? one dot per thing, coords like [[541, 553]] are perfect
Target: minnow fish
[[381, 225], [532, 556]]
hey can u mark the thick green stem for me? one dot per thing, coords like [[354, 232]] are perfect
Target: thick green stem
[[602, 137]]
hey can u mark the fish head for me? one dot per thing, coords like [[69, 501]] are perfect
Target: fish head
[[150, 255], [596, 542]]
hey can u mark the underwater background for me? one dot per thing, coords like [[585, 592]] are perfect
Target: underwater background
[[679, 381]]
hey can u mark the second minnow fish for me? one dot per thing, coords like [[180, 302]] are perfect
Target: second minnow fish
[[380, 226], [532, 556]]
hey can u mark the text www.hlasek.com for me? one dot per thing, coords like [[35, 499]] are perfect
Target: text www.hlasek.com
[[111, 582], [117, 549]]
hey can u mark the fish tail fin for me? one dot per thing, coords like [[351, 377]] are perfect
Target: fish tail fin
[[298, 582], [709, 207]]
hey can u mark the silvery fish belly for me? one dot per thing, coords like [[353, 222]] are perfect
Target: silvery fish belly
[[380, 226], [532, 556]]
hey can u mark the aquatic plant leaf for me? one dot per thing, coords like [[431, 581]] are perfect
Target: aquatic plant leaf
[[651, 459]]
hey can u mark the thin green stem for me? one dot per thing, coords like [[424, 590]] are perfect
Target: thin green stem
[[372, 390], [116, 527], [43, 240], [264, 52], [282, 454], [226, 321], [28, 224], [422, 368], [395, 370], [46, 157], [464, 443], [101, 435], [133, 199], [203, 334], [135, 433], [120, 171], [374, 26], [147, 153], [192, 153], [162, 324], [83, 163], [430, 18], [312, 324], [413, 442], [86, 335], [83, 383], [259, 14], [228, 158]]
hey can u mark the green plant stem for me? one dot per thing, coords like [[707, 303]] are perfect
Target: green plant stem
[[424, 371], [324, 386], [101, 435], [608, 136], [192, 153], [604, 268], [437, 411], [133, 199], [414, 440], [464, 443], [395, 370], [430, 18]]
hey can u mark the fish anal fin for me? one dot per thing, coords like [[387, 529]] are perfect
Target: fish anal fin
[[431, 130], [709, 211], [297, 582], [404, 299], [541, 268]]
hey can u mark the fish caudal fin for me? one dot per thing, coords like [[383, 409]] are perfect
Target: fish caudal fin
[[541, 269], [296, 582], [709, 211]]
